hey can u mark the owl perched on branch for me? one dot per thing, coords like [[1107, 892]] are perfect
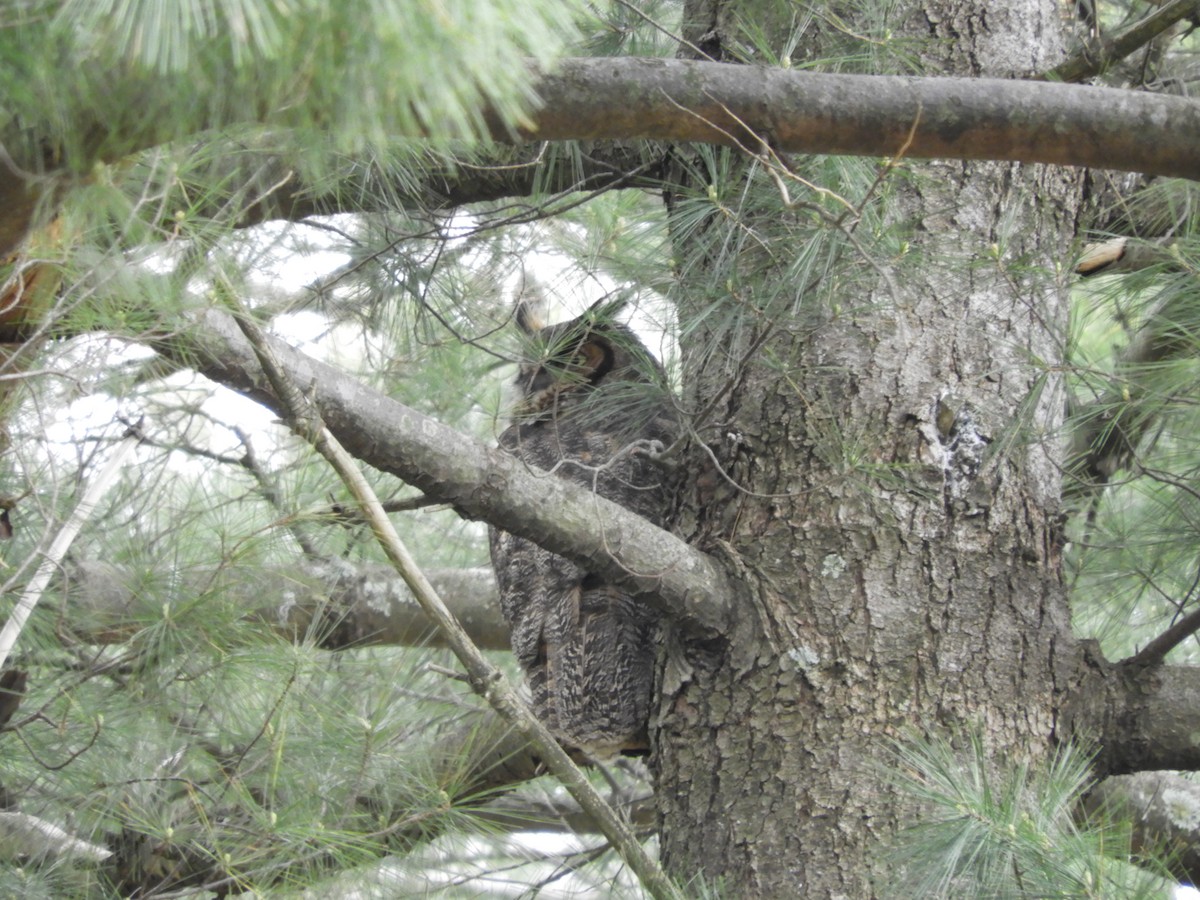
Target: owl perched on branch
[[591, 398]]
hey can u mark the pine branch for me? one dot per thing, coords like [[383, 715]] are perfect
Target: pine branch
[[627, 99], [503, 173], [1106, 432]]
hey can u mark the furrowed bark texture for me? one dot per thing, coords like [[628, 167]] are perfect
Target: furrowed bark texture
[[895, 522]]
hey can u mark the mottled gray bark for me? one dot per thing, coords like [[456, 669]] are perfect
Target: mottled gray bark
[[896, 448]]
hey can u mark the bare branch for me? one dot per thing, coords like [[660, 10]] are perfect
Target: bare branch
[[1142, 718], [1152, 654], [867, 115], [1162, 719]]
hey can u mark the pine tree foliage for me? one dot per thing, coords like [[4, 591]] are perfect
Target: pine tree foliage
[[1135, 350], [1007, 831], [207, 755], [98, 80]]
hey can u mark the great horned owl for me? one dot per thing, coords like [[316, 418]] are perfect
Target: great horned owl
[[588, 390]]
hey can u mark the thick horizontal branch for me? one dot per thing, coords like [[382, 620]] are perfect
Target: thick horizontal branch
[[1141, 718], [624, 99], [868, 115], [630, 99], [337, 604], [1161, 718], [480, 482]]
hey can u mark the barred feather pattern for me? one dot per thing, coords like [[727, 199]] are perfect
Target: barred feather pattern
[[587, 646]]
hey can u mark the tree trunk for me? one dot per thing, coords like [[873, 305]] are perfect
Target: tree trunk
[[886, 425]]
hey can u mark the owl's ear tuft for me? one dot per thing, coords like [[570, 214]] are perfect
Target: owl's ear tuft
[[531, 306], [608, 307], [529, 317]]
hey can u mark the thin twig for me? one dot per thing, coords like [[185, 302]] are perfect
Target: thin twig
[[1154, 652], [269, 489], [1094, 58], [662, 29], [62, 543]]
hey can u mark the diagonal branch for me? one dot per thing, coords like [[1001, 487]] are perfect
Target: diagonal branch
[[1096, 56], [479, 482], [62, 541], [1155, 651]]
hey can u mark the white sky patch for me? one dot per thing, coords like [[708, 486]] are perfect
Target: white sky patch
[[301, 329]]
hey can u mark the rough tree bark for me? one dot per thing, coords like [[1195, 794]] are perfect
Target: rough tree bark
[[895, 522]]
